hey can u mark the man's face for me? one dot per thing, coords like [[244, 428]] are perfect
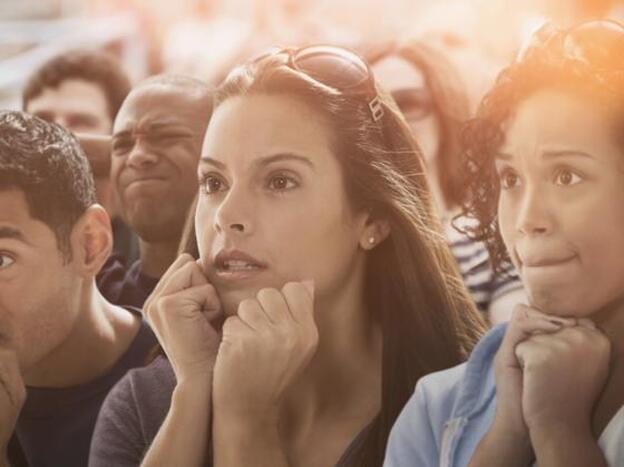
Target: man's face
[[37, 288], [156, 145], [76, 104]]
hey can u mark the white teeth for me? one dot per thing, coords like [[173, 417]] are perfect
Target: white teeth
[[237, 265]]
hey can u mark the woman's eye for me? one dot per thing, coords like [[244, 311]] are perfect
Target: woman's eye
[[566, 178], [509, 179], [5, 261], [281, 183], [211, 184]]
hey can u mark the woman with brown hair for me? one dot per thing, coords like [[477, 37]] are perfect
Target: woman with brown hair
[[317, 243], [430, 92]]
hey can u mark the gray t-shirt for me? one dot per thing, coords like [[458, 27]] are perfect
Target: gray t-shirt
[[133, 413]]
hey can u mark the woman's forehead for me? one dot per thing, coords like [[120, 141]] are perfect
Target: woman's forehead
[[554, 118], [261, 124]]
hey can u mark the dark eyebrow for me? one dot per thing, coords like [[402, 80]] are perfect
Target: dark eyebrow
[[264, 161], [122, 134], [565, 153], [11, 233]]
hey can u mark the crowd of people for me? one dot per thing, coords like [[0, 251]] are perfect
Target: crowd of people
[[329, 259]]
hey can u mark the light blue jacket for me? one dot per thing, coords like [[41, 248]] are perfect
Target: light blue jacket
[[449, 412]]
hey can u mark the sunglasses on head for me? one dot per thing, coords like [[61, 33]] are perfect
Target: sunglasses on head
[[335, 67]]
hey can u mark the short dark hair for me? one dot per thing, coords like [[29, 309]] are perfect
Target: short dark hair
[[100, 68], [46, 162]]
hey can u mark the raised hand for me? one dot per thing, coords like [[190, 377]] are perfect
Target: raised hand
[[181, 311], [563, 375], [264, 348]]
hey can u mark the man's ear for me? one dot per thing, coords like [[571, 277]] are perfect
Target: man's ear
[[375, 231], [91, 240]]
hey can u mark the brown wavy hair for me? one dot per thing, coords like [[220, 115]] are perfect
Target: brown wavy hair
[[545, 65], [413, 289]]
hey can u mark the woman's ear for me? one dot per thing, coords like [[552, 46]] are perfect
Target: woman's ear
[[375, 231], [91, 240]]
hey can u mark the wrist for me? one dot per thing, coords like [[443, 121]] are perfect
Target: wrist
[[558, 443], [504, 445], [561, 432]]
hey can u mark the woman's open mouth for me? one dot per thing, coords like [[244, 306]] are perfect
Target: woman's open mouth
[[237, 265]]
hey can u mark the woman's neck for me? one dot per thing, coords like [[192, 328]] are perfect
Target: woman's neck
[[343, 380]]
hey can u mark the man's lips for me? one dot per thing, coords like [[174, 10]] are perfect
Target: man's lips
[[143, 182]]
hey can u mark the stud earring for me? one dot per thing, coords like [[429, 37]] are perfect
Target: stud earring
[[371, 240]]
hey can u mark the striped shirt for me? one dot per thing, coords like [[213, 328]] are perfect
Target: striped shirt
[[473, 260]]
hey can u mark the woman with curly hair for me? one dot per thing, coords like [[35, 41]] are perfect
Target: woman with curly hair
[[546, 168], [430, 93]]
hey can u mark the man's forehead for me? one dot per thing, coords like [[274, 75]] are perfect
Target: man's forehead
[[17, 222], [155, 107], [14, 210]]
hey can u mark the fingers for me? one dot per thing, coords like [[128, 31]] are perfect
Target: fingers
[[526, 322], [11, 382], [300, 299], [188, 275], [177, 264], [272, 307]]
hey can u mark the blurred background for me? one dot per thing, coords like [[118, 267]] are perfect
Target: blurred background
[[205, 38]]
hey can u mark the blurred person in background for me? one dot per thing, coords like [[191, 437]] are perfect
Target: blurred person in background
[[156, 144], [430, 93], [82, 91], [62, 345], [314, 236]]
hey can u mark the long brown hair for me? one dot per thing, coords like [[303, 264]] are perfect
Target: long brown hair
[[413, 288], [450, 101]]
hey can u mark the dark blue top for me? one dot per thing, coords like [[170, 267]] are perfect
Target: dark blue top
[[124, 286], [55, 425]]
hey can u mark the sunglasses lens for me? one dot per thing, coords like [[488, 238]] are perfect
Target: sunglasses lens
[[332, 66]]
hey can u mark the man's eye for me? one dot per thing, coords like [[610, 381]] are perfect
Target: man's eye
[[121, 146], [566, 177], [212, 184], [509, 179], [5, 261], [282, 183]]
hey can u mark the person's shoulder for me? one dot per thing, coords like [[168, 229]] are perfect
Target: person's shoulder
[[142, 394], [459, 390], [155, 377], [441, 399]]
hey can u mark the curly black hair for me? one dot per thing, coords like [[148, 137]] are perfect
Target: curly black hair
[[549, 65], [46, 162]]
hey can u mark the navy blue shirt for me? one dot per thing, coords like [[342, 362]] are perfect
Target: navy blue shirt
[[56, 424], [124, 286]]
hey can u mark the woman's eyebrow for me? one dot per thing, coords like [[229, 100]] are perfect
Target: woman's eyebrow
[[284, 157], [264, 161], [212, 161], [553, 154]]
